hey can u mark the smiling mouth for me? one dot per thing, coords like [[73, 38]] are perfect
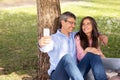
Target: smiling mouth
[[86, 29]]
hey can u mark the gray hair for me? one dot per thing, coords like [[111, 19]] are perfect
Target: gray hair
[[65, 16]]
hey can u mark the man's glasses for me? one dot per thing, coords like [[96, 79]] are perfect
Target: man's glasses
[[70, 22]]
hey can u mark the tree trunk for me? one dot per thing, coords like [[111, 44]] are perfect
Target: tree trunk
[[48, 12]]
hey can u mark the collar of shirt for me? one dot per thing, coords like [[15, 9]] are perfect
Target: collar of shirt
[[61, 34]]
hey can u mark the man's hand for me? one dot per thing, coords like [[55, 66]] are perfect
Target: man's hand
[[103, 39], [44, 41]]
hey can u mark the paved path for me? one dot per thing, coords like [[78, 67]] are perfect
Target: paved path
[[19, 3]]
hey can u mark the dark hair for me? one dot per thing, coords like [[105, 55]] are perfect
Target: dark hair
[[83, 37], [64, 16]]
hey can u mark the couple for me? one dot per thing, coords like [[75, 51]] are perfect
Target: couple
[[72, 54]]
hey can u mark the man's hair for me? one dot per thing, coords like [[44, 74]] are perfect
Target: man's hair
[[64, 16]]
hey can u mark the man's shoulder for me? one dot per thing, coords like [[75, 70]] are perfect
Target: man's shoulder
[[55, 36], [74, 33]]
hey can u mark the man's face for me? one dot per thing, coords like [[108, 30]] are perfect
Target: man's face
[[68, 25]]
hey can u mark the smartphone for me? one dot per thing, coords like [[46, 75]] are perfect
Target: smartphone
[[46, 32]]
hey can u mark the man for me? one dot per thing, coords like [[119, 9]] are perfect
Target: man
[[61, 49]]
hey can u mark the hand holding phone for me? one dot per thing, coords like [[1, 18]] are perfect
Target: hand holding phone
[[46, 39]]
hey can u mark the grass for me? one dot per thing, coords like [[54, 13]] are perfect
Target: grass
[[18, 30], [18, 34]]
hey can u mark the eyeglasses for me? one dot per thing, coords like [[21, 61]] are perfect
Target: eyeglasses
[[70, 22]]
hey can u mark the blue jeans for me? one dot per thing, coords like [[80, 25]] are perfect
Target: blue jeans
[[94, 62], [66, 69]]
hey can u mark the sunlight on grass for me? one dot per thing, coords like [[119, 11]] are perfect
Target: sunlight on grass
[[29, 10], [14, 76], [83, 8]]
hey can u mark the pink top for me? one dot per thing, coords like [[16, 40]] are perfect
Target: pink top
[[80, 51]]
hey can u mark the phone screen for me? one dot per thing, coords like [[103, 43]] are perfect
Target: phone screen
[[46, 32]]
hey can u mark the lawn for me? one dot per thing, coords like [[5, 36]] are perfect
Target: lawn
[[18, 34], [18, 37]]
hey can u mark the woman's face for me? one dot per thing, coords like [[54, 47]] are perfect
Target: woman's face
[[87, 26]]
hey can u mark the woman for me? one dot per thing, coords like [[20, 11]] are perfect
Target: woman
[[88, 50]]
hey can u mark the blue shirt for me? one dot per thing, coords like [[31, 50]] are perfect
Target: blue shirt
[[60, 46]]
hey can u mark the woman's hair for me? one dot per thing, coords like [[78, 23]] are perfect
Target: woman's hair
[[64, 16], [83, 37]]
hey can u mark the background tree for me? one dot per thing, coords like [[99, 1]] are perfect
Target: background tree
[[48, 12]]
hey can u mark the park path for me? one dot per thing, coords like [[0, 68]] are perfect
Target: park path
[[17, 3], [22, 3]]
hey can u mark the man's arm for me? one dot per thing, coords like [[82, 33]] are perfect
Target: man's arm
[[44, 41], [45, 44]]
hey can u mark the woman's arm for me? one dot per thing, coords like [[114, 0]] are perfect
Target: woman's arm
[[103, 39], [95, 51], [80, 52], [101, 53]]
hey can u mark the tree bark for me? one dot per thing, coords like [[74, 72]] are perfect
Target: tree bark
[[48, 12]]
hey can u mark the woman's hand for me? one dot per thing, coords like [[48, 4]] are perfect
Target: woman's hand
[[103, 39], [92, 50]]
